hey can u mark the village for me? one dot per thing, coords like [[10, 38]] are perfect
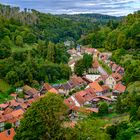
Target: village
[[81, 94]]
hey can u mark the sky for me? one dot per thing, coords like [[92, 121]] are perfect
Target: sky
[[109, 7]]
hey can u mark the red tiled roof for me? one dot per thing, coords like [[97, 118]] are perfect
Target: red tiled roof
[[105, 98], [96, 87], [95, 64], [53, 90], [79, 96], [7, 111], [119, 87], [90, 91], [17, 113], [30, 101], [83, 96], [28, 90], [13, 95], [3, 106], [13, 103], [69, 102], [95, 110], [117, 77], [105, 87], [87, 80], [75, 81], [7, 136], [114, 66], [90, 50], [119, 68], [47, 86]]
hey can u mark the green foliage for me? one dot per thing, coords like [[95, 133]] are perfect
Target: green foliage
[[50, 52], [103, 109], [107, 69], [43, 120], [19, 41], [87, 61], [7, 126], [90, 129], [79, 67]]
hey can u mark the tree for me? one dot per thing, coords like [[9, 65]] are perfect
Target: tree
[[43, 120], [87, 61], [112, 131], [12, 77], [30, 38], [103, 108], [19, 41], [50, 52], [79, 68], [138, 113], [85, 130], [7, 126]]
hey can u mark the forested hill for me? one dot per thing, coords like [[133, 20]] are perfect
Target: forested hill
[[90, 17], [55, 28], [32, 45], [123, 40]]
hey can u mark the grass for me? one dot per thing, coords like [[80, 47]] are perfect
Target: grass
[[4, 86], [105, 67], [5, 97], [63, 81], [113, 118]]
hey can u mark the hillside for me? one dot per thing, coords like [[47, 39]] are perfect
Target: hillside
[[31, 35], [90, 17]]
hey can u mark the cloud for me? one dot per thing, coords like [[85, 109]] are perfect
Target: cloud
[[110, 7]]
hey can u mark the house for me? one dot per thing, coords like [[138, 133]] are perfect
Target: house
[[29, 91], [95, 66], [14, 117], [3, 106], [114, 67], [13, 103], [86, 80], [92, 77], [70, 102], [106, 89], [80, 97], [89, 51], [102, 78], [113, 79], [96, 87], [110, 64], [103, 57], [120, 70], [7, 111], [77, 82], [53, 90], [64, 88], [46, 87], [84, 96], [14, 95], [7, 134], [119, 88], [104, 98]]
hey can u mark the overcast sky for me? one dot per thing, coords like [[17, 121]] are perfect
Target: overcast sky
[[110, 7]]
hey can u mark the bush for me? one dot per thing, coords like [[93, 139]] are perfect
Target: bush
[[7, 126], [103, 109]]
